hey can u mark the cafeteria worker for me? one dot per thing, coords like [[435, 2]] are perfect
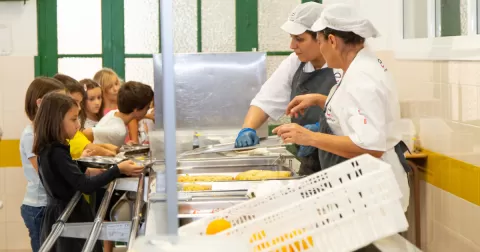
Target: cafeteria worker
[[303, 72], [362, 112]]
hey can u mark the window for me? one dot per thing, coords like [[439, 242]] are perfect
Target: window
[[439, 30], [78, 38]]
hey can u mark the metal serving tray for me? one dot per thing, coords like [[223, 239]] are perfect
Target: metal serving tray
[[129, 150], [267, 142], [99, 162], [194, 210]]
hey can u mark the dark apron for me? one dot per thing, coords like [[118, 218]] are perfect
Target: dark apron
[[319, 81], [328, 159]]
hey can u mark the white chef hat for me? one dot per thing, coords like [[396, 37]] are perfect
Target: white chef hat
[[302, 18], [343, 17]]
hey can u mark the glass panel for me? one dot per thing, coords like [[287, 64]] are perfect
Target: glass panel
[[218, 17], [452, 16], [270, 36], [415, 22], [79, 25], [185, 26], [79, 68], [139, 70], [141, 26]]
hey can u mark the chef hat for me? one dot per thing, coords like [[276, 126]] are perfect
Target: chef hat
[[343, 17], [302, 18]]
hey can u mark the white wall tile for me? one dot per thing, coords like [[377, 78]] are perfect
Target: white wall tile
[[23, 20], [14, 81], [218, 26], [3, 236], [271, 15], [17, 236], [3, 209]]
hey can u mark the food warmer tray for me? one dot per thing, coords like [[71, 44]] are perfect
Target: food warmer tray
[[130, 150], [267, 142], [99, 162]]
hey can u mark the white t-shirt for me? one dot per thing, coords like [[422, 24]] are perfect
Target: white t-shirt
[[274, 96], [35, 194], [110, 129], [365, 107], [89, 123]]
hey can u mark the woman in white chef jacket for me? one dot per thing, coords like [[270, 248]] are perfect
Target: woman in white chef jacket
[[362, 112], [303, 72]]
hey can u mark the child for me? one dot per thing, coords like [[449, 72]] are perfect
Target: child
[[55, 122], [146, 125], [35, 198], [133, 103], [92, 106], [110, 84], [80, 143]]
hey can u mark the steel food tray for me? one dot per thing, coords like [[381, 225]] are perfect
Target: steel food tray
[[129, 150], [99, 162], [268, 142]]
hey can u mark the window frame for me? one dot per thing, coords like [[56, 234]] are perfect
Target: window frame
[[113, 35], [465, 48]]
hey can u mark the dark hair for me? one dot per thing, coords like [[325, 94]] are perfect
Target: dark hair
[[71, 85], [313, 34], [89, 84], [134, 95], [48, 124], [347, 37], [39, 87]]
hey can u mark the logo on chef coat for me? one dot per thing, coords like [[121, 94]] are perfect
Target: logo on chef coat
[[382, 65], [338, 76], [329, 115]]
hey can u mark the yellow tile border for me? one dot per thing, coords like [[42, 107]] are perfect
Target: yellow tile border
[[454, 176], [10, 153]]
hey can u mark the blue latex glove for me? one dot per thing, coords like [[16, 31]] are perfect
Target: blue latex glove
[[304, 151], [247, 137]]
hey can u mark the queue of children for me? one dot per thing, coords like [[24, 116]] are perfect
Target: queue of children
[[70, 119]]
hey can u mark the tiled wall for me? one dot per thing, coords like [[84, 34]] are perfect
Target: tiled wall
[[443, 100]]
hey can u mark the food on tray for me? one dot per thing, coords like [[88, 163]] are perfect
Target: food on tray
[[300, 245], [262, 175], [204, 178], [218, 226], [196, 187]]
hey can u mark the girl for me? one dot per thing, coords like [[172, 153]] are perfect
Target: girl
[[146, 125], [92, 106], [35, 198], [55, 122], [110, 84]]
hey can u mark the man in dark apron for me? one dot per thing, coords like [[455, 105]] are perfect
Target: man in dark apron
[[320, 81], [303, 72]]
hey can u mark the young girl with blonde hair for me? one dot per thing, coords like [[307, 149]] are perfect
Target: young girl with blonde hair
[[110, 84]]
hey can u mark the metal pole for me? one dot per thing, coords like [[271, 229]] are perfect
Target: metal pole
[[97, 223], [137, 210], [60, 224], [169, 117]]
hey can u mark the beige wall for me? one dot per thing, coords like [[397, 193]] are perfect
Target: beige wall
[[443, 98]]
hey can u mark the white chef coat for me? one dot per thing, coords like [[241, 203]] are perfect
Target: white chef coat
[[274, 96], [365, 107]]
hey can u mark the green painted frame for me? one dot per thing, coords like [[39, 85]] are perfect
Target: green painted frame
[[113, 35]]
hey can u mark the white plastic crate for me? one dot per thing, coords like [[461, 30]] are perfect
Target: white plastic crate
[[341, 208]]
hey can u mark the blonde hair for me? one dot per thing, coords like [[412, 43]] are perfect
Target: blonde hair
[[106, 78]]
